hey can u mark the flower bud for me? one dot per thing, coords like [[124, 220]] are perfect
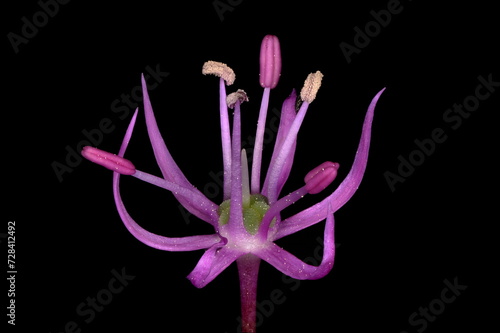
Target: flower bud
[[270, 62], [320, 177], [108, 160]]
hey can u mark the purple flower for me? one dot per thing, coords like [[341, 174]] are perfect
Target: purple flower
[[248, 221]]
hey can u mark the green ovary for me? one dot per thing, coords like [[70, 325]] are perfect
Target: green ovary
[[253, 212]]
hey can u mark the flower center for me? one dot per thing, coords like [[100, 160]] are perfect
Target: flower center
[[253, 212]]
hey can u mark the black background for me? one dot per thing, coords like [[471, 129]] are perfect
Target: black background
[[395, 248]]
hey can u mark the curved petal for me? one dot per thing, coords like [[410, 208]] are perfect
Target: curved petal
[[345, 190], [288, 114], [168, 167], [259, 140], [128, 134], [290, 265], [285, 156], [159, 242], [189, 243], [213, 262]]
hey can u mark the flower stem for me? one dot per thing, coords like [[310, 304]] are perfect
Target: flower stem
[[248, 269]]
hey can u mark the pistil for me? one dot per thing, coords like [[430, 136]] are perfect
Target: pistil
[[245, 181]]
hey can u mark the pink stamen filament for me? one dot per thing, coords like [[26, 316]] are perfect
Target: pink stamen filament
[[187, 193], [259, 140], [277, 207], [226, 139]]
